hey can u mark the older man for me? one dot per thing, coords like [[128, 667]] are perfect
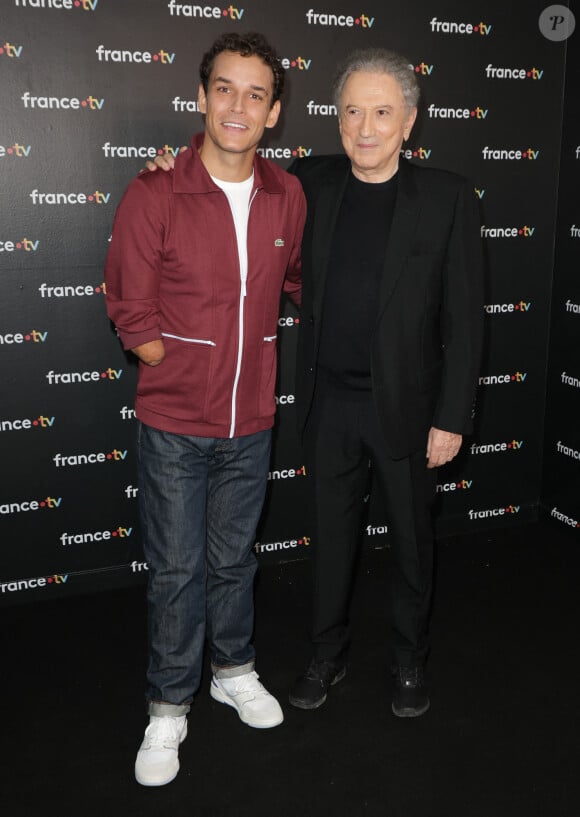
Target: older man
[[388, 356]]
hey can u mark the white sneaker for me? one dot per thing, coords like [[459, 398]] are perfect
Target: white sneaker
[[157, 760], [255, 705]]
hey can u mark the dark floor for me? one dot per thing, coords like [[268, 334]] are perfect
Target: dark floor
[[500, 740]]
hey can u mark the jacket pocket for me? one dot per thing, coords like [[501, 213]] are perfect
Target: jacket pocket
[[178, 387], [267, 403]]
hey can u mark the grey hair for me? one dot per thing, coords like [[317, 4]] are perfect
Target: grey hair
[[378, 61]]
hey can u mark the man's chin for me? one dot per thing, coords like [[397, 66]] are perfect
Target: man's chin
[[236, 144]]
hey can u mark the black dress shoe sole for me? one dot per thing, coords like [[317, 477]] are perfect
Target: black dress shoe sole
[[410, 712], [300, 703]]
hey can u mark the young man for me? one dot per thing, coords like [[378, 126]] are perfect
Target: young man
[[197, 263]]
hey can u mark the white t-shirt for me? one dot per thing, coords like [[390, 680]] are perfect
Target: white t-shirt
[[238, 194]]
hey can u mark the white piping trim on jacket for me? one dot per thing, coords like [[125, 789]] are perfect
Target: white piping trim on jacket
[[189, 340]]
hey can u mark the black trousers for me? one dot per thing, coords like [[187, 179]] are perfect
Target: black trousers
[[342, 435]]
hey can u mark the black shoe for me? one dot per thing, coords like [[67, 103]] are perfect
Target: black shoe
[[311, 689], [410, 698]]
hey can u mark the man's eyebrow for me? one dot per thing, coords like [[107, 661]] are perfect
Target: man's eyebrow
[[378, 105], [253, 87]]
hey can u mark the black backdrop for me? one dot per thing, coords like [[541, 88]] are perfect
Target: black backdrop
[[561, 495], [90, 88]]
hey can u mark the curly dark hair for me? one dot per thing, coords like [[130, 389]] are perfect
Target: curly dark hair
[[247, 45]]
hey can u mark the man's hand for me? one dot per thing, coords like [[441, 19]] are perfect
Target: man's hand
[[442, 447], [151, 353], [165, 162]]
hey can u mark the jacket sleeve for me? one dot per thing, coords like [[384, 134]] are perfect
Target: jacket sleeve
[[134, 263], [293, 280], [461, 317]]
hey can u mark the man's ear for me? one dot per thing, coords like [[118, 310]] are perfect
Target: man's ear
[[409, 124], [273, 115], [201, 99]]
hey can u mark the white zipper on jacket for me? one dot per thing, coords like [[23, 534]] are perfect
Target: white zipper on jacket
[[243, 293]]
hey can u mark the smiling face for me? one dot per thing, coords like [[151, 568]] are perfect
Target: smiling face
[[374, 121], [237, 107]]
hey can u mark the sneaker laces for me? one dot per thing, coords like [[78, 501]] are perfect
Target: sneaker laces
[[163, 731], [247, 687], [410, 676]]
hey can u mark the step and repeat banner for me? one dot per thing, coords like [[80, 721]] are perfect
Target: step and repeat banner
[[91, 89], [561, 494]]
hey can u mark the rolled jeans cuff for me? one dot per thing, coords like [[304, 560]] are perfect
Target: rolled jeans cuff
[[157, 709], [232, 672]]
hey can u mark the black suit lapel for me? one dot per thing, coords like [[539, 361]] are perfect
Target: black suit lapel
[[405, 218], [327, 207]]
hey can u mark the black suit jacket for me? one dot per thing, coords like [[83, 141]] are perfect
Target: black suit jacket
[[427, 337]]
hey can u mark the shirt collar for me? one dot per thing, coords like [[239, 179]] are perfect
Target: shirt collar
[[190, 175]]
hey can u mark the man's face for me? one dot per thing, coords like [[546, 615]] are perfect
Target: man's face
[[238, 103], [373, 122]]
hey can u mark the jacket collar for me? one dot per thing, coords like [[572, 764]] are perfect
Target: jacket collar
[[191, 176], [329, 199], [403, 227], [332, 189], [405, 216]]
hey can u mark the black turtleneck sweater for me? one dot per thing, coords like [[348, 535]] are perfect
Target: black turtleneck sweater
[[352, 286]]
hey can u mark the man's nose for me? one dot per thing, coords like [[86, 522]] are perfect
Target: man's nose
[[367, 125], [237, 103]]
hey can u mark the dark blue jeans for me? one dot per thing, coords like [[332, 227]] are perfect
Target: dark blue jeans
[[200, 500]]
